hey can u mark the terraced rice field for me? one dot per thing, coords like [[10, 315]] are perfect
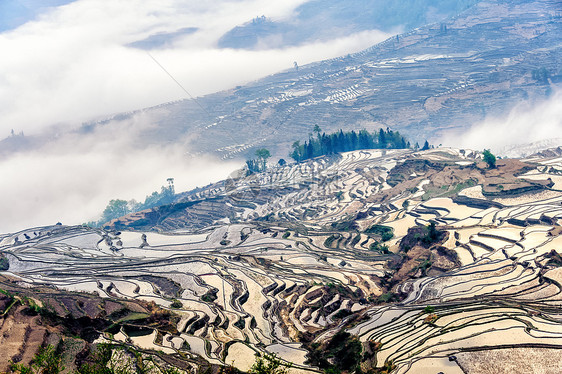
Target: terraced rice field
[[293, 256]]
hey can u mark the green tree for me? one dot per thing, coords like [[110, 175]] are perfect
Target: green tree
[[269, 364], [115, 209], [489, 158], [260, 163], [317, 130], [297, 153], [432, 235], [382, 139], [263, 153], [171, 189]]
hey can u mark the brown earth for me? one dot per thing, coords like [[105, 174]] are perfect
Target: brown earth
[[420, 258], [68, 318], [447, 178], [21, 335]]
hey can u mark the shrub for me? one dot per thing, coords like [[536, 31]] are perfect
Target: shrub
[[355, 240], [377, 246], [387, 297], [210, 296], [176, 304], [384, 232], [269, 364], [342, 313], [330, 240], [489, 158], [430, 319]]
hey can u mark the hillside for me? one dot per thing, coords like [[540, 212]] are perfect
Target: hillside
[[439, 77], [435, 78], [368, 255], [415, 261], [339, 19]]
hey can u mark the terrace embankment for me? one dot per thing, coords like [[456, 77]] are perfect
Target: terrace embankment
[[447, 178], [71, 322], [377, 243], [422, 254]]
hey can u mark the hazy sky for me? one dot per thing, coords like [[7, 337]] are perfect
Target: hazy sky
[[73, 63]]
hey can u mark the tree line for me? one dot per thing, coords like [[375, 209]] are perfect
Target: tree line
[[326, 144]]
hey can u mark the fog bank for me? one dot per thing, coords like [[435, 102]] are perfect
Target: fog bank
[[527, 122]]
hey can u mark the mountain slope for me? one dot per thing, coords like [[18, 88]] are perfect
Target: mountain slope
[[438, 77], [339, 19]]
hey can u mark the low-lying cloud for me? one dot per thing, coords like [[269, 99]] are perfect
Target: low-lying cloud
[[73, 179], [78, 62], [528, 122]]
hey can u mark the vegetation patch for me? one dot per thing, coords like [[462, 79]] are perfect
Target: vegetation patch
[[426, 236], [4, 263], [554, 258], [384, 232], [342, 353], [210, 296], [346, 225], [379, 247], [330, 240], [388, 297], [176, 304]]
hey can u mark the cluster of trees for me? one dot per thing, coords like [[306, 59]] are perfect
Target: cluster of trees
[[259, 19], [326, 144], [118, 208], [13, 133], [259, 163]]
